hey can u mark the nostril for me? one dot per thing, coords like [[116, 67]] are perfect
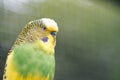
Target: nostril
[[54, 33]]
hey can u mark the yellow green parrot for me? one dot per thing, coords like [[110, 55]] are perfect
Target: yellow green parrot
[[32, 55]]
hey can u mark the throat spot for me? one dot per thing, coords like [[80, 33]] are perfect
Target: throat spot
[[45, 39]]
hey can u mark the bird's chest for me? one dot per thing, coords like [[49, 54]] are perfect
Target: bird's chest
[[34, 64]]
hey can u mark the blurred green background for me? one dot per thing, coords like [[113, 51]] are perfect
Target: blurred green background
[[88, 42]]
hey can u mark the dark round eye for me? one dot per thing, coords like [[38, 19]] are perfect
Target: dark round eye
[[44, 28], [54, 33]]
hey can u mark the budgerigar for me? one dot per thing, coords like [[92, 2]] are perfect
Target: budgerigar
[[32, 55]]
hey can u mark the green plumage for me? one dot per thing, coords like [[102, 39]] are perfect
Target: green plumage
[[32, 55], [33, 61]]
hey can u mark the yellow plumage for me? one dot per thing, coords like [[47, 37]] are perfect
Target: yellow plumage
[[32, 55]]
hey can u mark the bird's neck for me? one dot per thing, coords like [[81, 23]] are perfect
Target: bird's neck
[[47, 47]]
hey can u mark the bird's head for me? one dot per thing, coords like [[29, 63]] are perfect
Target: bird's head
[[42, 32]]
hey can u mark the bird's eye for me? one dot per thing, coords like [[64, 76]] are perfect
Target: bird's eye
[[44, 28], [54, 33]]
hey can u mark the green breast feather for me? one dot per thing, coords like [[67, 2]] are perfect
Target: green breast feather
[[30, 60]]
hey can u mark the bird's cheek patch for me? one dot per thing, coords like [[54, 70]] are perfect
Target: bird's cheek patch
[[45, 39]]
